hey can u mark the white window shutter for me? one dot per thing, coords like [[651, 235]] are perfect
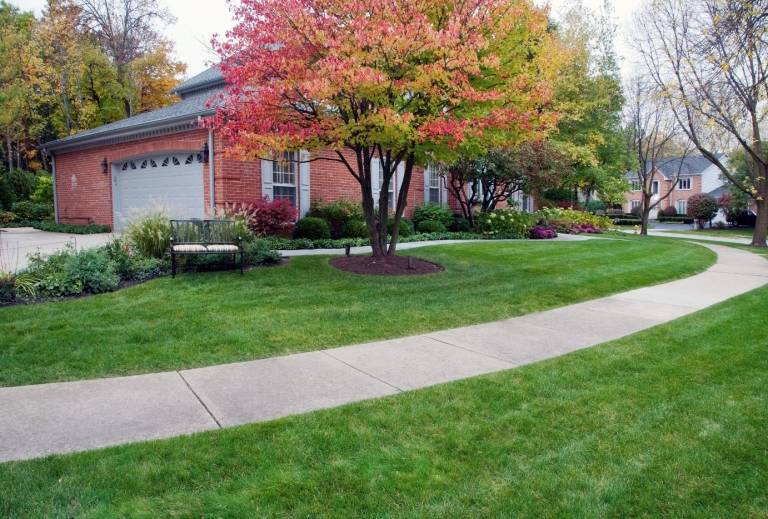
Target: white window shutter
[[443, 182], [266, 180], [400, 174], [375, 180], [427, 174], [304, 182]]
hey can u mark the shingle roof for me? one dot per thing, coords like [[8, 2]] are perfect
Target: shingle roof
[[204, 80], [688, 166], [190, 107]]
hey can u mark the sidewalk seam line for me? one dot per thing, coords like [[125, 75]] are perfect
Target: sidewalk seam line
[[363, 372], [200, 400], [441, 341]]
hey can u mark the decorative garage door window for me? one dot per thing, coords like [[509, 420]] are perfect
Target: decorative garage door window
[[163, 162]]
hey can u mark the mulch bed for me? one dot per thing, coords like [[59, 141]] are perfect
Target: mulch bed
[[389, 266]]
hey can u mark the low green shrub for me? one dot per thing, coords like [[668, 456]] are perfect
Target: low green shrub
[[258, 252], [675, 219], [6, 217], [594, 206], [459, 224], [338, 214], [565, 220], [406, 227], [71, 272], [429, 226], [313, 228], [144, 269], [627, 221], [32, 211], [355, 229], [505, 223], [150, 236], [432, 212], [7, 288]]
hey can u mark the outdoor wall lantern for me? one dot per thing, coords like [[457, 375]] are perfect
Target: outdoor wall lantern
[[205, 153], [105, 166]]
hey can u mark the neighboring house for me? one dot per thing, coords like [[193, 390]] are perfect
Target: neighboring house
[[697, 175], [165, 159]]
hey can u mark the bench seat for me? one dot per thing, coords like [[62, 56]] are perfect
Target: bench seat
[[200, 248]]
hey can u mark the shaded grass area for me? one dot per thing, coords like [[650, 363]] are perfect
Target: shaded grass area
[[671, 421], [205, 319]]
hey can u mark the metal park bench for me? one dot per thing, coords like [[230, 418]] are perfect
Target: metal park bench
[[205, 237]]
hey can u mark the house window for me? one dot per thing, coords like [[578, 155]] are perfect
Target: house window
[[433, 184], [284, 177], [682, 207], [635, 204], [655, 187], [685, 184], [636, 186]]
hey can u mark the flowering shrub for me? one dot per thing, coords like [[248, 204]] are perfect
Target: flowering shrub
[[668, 211], [585, 229], [505, 223], [542, 232], [267, 217], [569, 220]]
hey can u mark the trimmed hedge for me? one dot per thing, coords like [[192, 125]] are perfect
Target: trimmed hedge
[[675, 219], [49, 226]]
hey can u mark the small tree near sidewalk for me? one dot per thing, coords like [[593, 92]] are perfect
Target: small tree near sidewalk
[[385, 86], [489, 179], [654, 136]]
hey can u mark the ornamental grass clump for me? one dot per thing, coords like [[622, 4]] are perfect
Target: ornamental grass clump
[[151, 235]]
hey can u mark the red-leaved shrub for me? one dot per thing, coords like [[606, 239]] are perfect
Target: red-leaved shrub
[[267, 217]]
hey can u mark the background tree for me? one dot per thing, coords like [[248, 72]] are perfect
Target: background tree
[[655, 137], [385, 84], [127, 31], [702, 207], [709, 59], [589, 96]]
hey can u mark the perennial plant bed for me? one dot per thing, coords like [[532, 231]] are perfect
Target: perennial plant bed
[[386, 266]]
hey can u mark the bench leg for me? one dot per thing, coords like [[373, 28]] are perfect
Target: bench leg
[[173, 265]]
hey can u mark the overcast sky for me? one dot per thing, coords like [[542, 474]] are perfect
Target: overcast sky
[[198, 20]]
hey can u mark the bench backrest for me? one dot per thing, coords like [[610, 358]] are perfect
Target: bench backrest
[[205, 231]]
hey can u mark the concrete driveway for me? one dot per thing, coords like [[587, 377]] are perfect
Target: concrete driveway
[[17, 244]]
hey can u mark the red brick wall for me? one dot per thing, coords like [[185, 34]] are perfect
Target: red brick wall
[[665, 186], [84, 194]]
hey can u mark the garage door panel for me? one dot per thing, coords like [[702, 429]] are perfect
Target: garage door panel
[[176, 189]]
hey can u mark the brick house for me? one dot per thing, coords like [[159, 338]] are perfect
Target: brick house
[[165, 159], [697, 175]]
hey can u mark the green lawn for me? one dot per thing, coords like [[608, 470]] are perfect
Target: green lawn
[[672, 421], [721, 233], [205, 319]]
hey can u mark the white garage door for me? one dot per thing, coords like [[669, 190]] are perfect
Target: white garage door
[[169, 183]]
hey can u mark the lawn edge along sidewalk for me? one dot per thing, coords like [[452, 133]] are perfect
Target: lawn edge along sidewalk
[[75, 416]]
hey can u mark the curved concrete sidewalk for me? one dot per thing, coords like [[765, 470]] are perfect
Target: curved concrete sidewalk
[[75, 416]]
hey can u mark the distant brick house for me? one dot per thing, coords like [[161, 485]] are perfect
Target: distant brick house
[[697, 175], [165, 159]]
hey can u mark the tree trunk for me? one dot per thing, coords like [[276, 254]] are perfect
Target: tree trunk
[[10, 152], [761, 225], [644, 217]]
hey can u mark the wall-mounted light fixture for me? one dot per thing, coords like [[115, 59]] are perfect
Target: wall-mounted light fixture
[[105, 166], [205, 152]]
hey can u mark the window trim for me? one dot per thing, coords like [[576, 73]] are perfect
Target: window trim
[[637, 186], [655, 187], [689, 181], [289, 157]]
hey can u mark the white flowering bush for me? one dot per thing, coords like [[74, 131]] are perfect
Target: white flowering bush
[[505, 223]]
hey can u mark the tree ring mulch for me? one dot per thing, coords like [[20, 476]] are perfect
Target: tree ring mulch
[[388, 266]]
